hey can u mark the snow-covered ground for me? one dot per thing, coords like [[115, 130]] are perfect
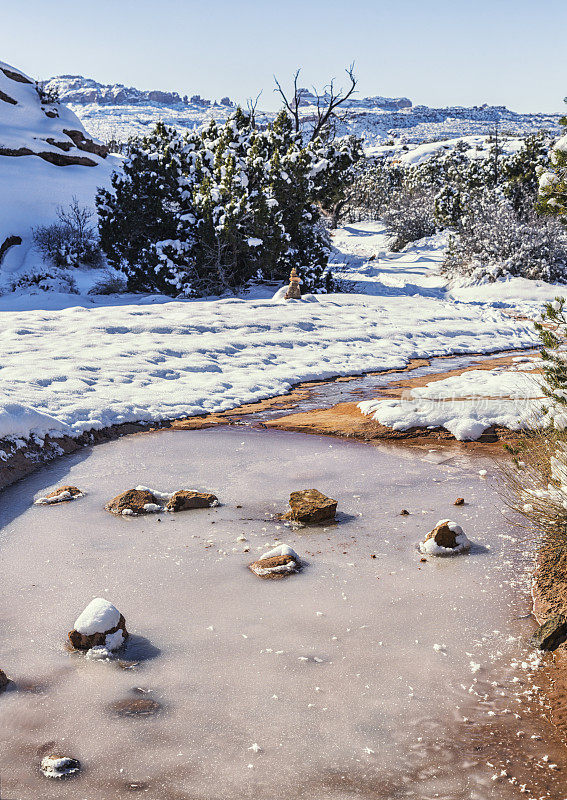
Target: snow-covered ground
[[91, 365], [466, 405]]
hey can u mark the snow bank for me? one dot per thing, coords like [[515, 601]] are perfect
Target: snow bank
[[90, 368], [98, 617], [466, 405], [22, 421]]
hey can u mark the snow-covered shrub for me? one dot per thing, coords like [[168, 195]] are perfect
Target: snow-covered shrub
[[113, 284], [374, 182], [48, 95], [202, 213], [45, 280], [494, 241], [410, 216], [72, 241]]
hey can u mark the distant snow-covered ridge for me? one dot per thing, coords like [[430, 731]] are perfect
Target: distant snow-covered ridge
[[117, 112]]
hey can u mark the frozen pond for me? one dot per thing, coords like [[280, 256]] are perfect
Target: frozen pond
[[354, 678]]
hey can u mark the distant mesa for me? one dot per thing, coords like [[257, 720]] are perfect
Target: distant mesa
[[78, 90]]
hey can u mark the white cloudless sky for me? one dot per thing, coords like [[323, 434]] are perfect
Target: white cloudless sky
[[437, 52]]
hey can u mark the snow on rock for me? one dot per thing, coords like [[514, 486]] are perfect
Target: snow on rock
[[46, 159], [446, 539], [99, 625], [281, 550], [59, 766], [277, 563], [62, 494], [134, 502], [99, 616], [466, 405]]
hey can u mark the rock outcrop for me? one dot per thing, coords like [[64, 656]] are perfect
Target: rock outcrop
[[185, 499], [4, 681], [63, 494], [551, 634], [310, 506], [446, 539], [278, 563], [99, 625]]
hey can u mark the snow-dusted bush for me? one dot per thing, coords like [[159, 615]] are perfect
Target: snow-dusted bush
[[410, 215], [202, 213], [113, 284], [494, 241], [45, 280], [72, 241], [374, 181]]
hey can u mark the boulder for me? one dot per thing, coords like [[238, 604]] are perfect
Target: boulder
[[460, 501], [185, 499], [100, 625], [309, 506], [60, 495], [59, 766], [551, 634], [4, 681], [446, 539], [278, 563], [133, 502]]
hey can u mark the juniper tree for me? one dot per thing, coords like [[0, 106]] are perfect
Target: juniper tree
[[552, 332], [553, 182]]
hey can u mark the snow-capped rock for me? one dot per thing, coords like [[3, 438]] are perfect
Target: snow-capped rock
[[63, 494], [279, 562], [59, 767], [446, 539], [99, 625]]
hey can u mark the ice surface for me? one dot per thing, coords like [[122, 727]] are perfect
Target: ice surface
[[333, 674]]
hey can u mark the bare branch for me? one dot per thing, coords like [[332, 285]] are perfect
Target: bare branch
[[327, 102], [251, 106], [291, 105]]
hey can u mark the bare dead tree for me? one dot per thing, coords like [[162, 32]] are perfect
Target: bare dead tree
[[251, 106], [328, 101], [292, 104]]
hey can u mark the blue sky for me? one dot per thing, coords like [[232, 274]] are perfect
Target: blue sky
[[436, 52]]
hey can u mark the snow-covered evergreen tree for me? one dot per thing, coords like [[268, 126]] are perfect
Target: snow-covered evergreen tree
[[204, 213], [553, 181], [143, 210]]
